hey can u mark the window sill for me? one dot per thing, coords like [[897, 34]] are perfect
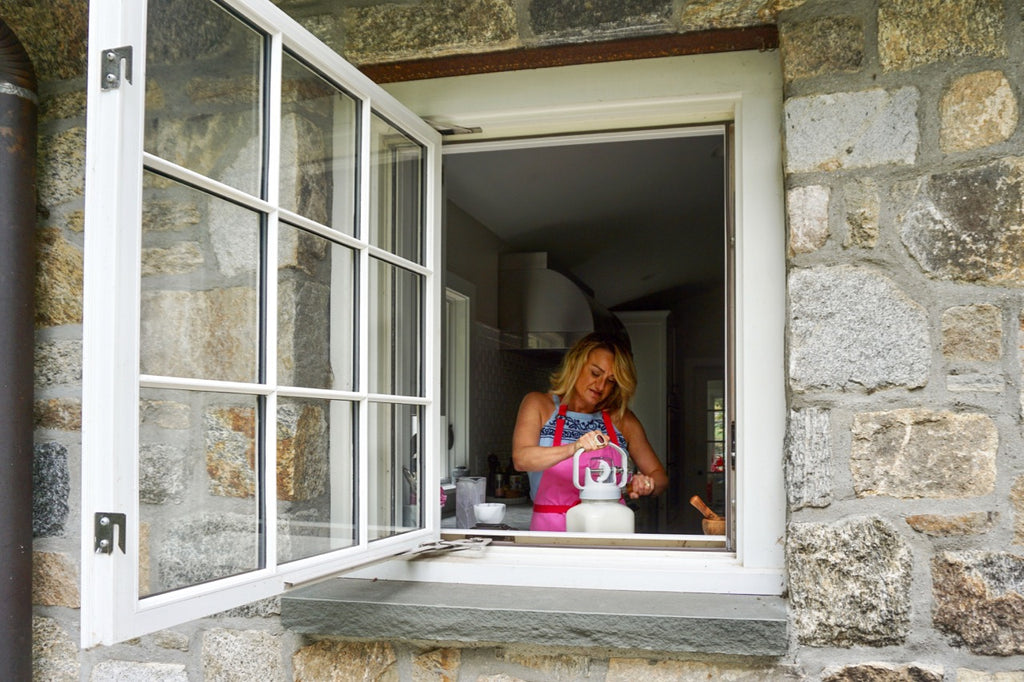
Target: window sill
[[482, 614]]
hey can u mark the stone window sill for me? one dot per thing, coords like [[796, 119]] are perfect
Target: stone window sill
[[488, 614]]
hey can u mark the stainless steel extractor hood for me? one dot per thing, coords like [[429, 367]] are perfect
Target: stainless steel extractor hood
[[540, 308]]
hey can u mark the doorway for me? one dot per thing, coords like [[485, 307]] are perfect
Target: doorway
[[638, 220]]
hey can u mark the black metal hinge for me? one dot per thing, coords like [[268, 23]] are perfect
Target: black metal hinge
[[110, 72], [104, 531]]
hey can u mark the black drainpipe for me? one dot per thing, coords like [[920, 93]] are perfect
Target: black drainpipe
[[18, 102]]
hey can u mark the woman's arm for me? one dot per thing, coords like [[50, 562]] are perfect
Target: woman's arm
[[652, 478], [527, 455]]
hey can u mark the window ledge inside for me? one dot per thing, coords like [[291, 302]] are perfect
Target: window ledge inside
[[487, 614]]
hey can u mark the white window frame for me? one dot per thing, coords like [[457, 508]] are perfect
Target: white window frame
[[457, 341], [744, 88], [111, 607]]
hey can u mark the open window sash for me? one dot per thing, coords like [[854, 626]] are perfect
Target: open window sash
[[262, 299]]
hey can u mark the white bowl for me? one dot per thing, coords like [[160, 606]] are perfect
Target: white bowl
[[489, 512]]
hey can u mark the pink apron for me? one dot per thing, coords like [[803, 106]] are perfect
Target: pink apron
[[557, 493]]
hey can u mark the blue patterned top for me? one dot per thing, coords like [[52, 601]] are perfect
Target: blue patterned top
[[576, 424]]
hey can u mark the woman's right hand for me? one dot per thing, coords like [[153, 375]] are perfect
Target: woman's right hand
[[592, 440]]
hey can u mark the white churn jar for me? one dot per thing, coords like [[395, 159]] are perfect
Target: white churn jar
[[600, 509]]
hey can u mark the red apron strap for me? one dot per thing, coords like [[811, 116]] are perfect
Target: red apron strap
[[554, 508], [609, 428], [560, 423]]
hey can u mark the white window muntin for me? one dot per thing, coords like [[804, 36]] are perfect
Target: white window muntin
[[112, 609]]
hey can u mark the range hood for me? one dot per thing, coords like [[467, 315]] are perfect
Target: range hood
[[540, 308]]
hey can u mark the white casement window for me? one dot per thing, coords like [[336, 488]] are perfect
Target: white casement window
[[263, 313], [262, 371]]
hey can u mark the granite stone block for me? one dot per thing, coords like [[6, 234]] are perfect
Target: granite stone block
[[326, 660], [916, 32], [823, 45], [595, 17], [944, 526], [884, 672], [979, 601], [54, 652], [848, 130], [59, 279], [977, 110], [58, 362], [808, 218], [972, 333], [808, 458], [390, 31], [964, 225], [914, 453], [235, 655], [854, 329], [849, 583], [51, 487]]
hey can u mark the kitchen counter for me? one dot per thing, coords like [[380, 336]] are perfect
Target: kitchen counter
[[516, 515]]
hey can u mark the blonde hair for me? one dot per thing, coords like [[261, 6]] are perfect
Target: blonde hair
[[564, 378]]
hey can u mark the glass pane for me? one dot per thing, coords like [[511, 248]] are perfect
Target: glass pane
[[716, 394], [198, 505], [396, 211], [395, 483], [203, 92], [396, 314], [318, 148], [316, 311], [315, 475], [712, 420], [200, 284]]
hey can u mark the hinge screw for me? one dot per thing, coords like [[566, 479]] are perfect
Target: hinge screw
[[104, 521]]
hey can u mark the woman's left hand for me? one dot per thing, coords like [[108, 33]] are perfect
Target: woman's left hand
[[640, 485]]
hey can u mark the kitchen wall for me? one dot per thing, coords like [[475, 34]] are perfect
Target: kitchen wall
[[498, 378], [471, 253]]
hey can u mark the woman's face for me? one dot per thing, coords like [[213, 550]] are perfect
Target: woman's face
[[596, 379]]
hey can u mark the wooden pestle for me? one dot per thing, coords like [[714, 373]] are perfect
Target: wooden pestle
[[703, 508]]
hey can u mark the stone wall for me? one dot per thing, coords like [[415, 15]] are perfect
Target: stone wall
[[902, 146], [905, 333]]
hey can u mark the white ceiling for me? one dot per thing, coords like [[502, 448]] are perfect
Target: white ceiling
[[632, 220]]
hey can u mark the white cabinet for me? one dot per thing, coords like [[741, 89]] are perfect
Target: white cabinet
[[648, 334]]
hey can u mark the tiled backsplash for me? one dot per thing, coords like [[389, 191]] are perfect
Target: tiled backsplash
[[500, 379]]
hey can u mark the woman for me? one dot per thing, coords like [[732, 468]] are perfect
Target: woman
[[587, 407]]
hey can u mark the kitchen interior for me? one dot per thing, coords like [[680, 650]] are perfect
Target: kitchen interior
[[545, 240]]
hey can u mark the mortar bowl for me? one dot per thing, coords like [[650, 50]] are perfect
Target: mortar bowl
[[713, 526]]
